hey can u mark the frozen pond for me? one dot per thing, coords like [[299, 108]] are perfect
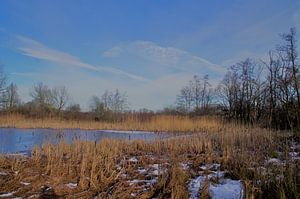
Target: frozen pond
[[14, 140]]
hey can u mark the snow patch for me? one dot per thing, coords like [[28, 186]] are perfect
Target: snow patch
[[210, 167], [25, 183], [275, 161], [184, 166], [10, 194], [3, 174], [133, 159], [147, 182], [141, 170], [227, 189], [195, 185], [72, 185], [224, 188]]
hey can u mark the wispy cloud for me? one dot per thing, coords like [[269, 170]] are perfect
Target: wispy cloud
[[32, 48], [165, 56], [27, 74], [113, 52]]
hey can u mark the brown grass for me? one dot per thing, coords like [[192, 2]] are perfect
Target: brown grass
[[160, 123], [105, 169]]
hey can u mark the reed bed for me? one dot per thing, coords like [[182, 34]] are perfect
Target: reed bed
[[161, 123], [139, 169]]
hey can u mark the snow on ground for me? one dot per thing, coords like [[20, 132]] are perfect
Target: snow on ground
[[133, 159], [210, 167], [227, 189], [25, 183], [185, 166], [5, 195], [218, 186], [72, 185], [143, 182], [274, 161], [141, 170], [195, 185], [3, 174], [155, 169], [294, 155]]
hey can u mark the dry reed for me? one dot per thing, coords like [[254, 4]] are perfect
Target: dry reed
[[161, 123], [111, 168]]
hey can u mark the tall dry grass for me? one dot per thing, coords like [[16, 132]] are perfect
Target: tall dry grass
[[161, 123], [104, 168]]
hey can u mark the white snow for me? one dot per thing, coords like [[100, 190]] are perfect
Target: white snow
[[184, 166], [10, 194], [210, 167], [25, 183], [133, 159], [195, 185], [293, 154], [227, 189], [3, 174], [72, 185], [142, 170], [275, 161], [147, 182], [155, 167]]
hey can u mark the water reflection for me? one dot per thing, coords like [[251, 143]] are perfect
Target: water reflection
[[14, 140]]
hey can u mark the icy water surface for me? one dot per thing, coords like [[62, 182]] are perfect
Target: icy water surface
[[14, 140]]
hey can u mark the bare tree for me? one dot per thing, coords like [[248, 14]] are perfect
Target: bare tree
[[185, 98], [119, 102], [290, 56], [196, 96], [12, 97], [41, 94], [241, 91], [2, 88], [206, 92], [60, 97]]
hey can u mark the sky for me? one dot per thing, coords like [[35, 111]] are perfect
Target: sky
[[146, 48]]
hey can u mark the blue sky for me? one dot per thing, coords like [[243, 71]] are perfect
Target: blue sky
[[148, 48]]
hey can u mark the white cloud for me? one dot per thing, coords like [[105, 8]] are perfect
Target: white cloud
[[113, 52], [153, 94], [38, 50], [165, 56]]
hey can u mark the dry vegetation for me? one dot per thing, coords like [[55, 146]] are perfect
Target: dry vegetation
[[139, 169], [159, 123]]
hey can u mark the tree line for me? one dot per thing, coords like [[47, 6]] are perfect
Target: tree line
[[264, 92], [52, 102]]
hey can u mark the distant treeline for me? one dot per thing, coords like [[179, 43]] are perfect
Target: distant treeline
[[264, 92]]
